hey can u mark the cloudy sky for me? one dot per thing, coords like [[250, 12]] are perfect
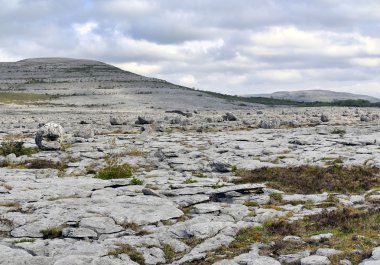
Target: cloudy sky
[[229, 46]]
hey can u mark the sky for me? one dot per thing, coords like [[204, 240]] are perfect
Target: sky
[[227, 46]]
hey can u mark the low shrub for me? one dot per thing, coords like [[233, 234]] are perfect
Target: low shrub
[[312, 179], [15, 147]]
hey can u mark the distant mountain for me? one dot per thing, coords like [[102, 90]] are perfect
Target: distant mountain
[[315, 95]]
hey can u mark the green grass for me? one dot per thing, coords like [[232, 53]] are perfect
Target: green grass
[[24, 240], [313, 179], [16, 147], [23, 98], [130, 251], [52, 232], [115, 172], [344, 224], [190, 181], [136, 181]]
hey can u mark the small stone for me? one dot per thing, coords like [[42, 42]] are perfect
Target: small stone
[[325, 117], [321, 237], [292, 239], [328, 252], [315, 260], [78, 233], [229, 117]]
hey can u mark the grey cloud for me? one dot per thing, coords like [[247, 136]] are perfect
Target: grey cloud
[[183, 38]]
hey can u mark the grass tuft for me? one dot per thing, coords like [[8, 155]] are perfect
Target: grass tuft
[[15, 147], [130, 251], [52, 232]]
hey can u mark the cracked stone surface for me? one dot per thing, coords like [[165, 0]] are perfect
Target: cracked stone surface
[[184, 157]]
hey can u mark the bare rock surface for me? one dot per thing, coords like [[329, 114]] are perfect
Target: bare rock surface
[[185, 150]]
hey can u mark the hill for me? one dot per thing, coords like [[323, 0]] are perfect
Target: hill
[[87, 83], [316, 95]]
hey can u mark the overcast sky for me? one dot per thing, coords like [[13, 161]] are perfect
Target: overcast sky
[[229, 46]]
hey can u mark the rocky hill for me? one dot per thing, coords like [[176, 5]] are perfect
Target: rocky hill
[[316, 95], [86, 83]]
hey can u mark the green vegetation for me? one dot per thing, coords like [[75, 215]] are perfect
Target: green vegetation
[[52, 232], [313, 179], [286, 102], [199, 174], [190, 181], [217, 185], [136, 181], [341, 132], [130, 251], [345, 224], [14, 147], [170, 254], [275, 197], [24, 240], [251, 204], [10, 204], [114, 169], [36, 164], [23, 98]]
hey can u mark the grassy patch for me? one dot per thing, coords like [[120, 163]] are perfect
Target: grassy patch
[[133, 152], [130, 251], [312, 179], [52, 232], [10, 204], [190, 181], [341, 132], [15, 147], [23, 98], [115, 172], [170, 254], [136, 181], [42, 164], [24, 240], [199, 174], [345, 224], [37, 164]]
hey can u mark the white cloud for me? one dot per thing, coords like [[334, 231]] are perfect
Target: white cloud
[[280, 75], [187, 80], [302, 44], [86, 28], [366, 62], [140, 68]]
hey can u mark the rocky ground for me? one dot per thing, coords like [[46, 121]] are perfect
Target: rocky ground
[[183, 204], [146, 172]]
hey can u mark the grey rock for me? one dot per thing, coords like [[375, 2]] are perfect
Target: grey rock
[[144, 120], [327, 252], [102, 225], [117, 120], [78, 233], [49, 136], [229, 117], [270, 123], [220, 167], [86, 132], [153, 255], [325, 117], [315, 260], [293, 258], [262, 260]]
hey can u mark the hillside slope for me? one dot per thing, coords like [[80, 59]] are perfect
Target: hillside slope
[[316, 95], [88, 83]]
